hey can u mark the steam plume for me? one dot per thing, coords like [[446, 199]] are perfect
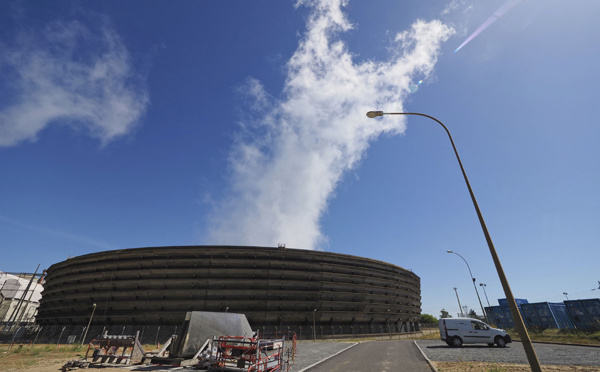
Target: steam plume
[[288, 161]]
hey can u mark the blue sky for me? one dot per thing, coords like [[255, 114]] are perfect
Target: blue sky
[[133, 124]]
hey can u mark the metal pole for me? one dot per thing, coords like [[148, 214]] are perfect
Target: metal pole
[[36, 335], [23, 311], [387, 318], [88, 326], [484, 292], [59, 336], [16, 310], [1, 288], [314, 327], [474, 286], [534, 363], [459, 305]]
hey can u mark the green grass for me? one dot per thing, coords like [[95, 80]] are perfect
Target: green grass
[[23, 355]]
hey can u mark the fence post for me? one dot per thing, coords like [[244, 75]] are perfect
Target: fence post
[[61, 332], [36, 335]]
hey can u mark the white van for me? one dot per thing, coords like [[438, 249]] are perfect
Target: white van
[[458, 331]]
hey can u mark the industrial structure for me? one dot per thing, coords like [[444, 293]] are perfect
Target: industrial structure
[[276, 288], [19, 297]]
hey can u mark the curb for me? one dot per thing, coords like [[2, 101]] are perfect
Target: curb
[[425, 356], [329, 357]]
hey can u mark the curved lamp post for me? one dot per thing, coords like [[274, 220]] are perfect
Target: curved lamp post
[[474, 286], [527, 345], [483, 285]]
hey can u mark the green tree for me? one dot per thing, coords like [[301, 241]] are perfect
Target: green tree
[[472, 314], [428, 319], [445, 314]]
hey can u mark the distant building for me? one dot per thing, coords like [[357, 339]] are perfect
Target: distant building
[[17, 303]]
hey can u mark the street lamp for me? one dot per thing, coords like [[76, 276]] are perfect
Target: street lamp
[[484, 292], [565, 293], [88, 326], [459, 305], [314, 327], [387, 319], [527, 345], [474, 286]]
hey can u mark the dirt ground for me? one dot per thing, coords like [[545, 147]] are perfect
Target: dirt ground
[[42, 360], [503, 367], [52, 361], [53, 365]]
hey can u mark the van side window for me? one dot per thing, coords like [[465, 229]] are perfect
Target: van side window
[[479, 326]]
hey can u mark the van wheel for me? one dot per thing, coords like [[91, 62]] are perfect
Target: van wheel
[[500, 341], [457, 341]]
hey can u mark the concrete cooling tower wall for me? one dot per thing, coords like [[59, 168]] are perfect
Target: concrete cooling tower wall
[[274, 287]]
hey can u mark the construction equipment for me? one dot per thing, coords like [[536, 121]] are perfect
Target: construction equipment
[[116, 349], [200, 343], [251, 354]]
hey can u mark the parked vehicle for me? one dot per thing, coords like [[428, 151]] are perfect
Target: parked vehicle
[[458, 331]]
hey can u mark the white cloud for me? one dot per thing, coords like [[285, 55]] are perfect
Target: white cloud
[[68, 74], [288, 161]]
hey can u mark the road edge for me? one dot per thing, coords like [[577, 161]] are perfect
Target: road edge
[[425, 356]]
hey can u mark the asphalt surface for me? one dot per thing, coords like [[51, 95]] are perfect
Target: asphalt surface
[[309, 353], [548, 354], [394, 355]]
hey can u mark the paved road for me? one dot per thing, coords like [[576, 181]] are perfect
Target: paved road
[[395, 355], [309, 353], [548, 354]]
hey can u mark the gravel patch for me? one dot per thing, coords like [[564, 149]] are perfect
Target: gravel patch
[[548, 354], [309, 353]]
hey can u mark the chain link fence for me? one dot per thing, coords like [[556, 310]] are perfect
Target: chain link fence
[[27, 333]]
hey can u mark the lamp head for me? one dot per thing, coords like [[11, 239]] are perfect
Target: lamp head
[[449, 252], [372, 114]]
